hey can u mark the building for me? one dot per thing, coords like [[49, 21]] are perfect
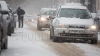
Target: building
[[90, 4]]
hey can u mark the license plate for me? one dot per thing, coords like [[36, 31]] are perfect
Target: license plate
[[76, 31]]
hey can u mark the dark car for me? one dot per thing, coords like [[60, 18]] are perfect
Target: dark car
[[15, 17], [11, 21], [43, 20], [3, 31], [6, 16]]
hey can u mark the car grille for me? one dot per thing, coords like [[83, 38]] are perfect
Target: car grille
[[76, 35], [77, 26]]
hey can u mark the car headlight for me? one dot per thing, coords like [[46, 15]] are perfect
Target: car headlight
[[92, 27], [32, 20], [43, 19]]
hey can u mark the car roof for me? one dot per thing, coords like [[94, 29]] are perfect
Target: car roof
[[4, 5], [73, 5], [47, 9]]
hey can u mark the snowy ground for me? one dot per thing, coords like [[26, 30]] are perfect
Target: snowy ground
[[20, 45], [26, 42]]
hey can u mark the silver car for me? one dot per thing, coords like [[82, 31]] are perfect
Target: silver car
[[73, 23], [43, 20]]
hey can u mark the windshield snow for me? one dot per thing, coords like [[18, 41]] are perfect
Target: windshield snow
[[74, 13]]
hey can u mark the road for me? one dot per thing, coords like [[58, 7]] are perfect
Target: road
[[60, 48], [28, 41]]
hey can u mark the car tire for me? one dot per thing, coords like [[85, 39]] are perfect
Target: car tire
[[55, 39], [12, 31], [0, 41], [93, 41], [15, 25], [0, 47], [9, 33], [9, 30], [50, 35], [5, 46], [40, 28]]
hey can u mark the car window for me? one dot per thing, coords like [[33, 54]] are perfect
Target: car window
[[74, 13], [49, 12]]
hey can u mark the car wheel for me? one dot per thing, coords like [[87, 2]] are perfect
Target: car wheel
[[9, 30], [12, 31], [5, 46], [0, 47], [40, 28], [9, 33], [0, 41], [15, 25], [55, 39], [50, 35], [93, 41]]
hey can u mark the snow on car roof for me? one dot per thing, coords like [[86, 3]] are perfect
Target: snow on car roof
[[73, 5], [4, 5], [47, 9]]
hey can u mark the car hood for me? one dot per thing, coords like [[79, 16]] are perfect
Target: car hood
[[75, 21]]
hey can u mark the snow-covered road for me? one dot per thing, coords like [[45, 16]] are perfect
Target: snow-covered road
[[28, 41]]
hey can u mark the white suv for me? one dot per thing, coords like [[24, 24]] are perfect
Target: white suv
[[72, 22]]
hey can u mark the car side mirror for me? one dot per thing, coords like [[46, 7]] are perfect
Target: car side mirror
[[51, 17], [96, 18], [4, 12]]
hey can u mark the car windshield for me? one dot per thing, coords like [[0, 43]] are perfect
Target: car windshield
[[49, 12], [74, 13]]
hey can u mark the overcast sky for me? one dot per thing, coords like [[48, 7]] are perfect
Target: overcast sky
[[31, 6]]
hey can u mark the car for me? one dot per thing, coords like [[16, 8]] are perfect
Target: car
[[15, 17], [29, 18], [98, 13], [4, 6], [43, 20], [94, 15], [3, 28], [73, 23], [12, 20]]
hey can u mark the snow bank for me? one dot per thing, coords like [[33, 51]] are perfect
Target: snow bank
[[20, 45], [90, 50]]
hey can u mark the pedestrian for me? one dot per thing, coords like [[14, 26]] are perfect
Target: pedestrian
[[20, 13]]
